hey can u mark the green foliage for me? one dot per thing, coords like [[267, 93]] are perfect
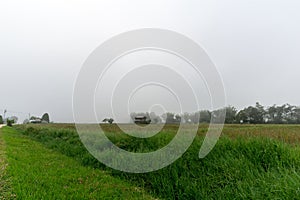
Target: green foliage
[[285, 114], [9, 122], [171, 118], [1, 119], [231, 113], [46, 118], [239, 168], [258, 114], [253, 115], [12, 119], [5, 183], [205, 116], [39, 173]]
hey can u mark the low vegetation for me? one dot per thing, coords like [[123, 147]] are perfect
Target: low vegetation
[[1, 120], [248, 162], [39, 173], [5, 184]]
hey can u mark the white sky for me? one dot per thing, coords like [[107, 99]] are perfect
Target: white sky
[[254, 43]]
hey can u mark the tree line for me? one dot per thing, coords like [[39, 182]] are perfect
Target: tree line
[[257, 114], [33, 119]]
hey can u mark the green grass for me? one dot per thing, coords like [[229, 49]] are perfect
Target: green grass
[[5, 184], [248, 162], [40, 173]]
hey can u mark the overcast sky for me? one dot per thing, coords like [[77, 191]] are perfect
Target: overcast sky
[[254, 44]]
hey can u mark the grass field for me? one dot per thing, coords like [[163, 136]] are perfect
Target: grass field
[[40, 173], [248, 162]]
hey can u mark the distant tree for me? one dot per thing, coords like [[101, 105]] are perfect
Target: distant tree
[[260, 113], [218, 116], [155, 119], [1, 120], [13, 119], [9, 122], [46, 118], [177, 118], [231, 113], [205, 116], [170, 118], [297, 115], [186, 117], [194, 117], [285, 114], [271, 114], [253, 115], [164, 117], [243, 116]]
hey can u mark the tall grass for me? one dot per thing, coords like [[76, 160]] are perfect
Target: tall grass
[[241, 168]]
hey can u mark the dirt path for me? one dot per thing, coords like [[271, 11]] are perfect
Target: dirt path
[[1, 125]]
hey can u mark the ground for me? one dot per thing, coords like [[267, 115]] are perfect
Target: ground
[[36, 172], [248, 162]]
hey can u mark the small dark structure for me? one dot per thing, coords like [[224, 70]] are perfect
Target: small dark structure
[[142, 120]]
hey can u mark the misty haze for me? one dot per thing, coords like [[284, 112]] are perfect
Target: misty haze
[[149, 99]]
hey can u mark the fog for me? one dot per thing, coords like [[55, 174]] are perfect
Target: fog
[[254, 44]]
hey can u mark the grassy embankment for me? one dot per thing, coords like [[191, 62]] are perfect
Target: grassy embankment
[[249, 162], [36, 172]]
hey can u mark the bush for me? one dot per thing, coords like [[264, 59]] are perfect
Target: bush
[[9, 122], [46, 118]]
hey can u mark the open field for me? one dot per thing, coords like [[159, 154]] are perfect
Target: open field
[[39, 173], [248, 162]]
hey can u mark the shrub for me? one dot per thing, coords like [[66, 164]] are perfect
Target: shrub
[[46, 118], [9, 122]]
